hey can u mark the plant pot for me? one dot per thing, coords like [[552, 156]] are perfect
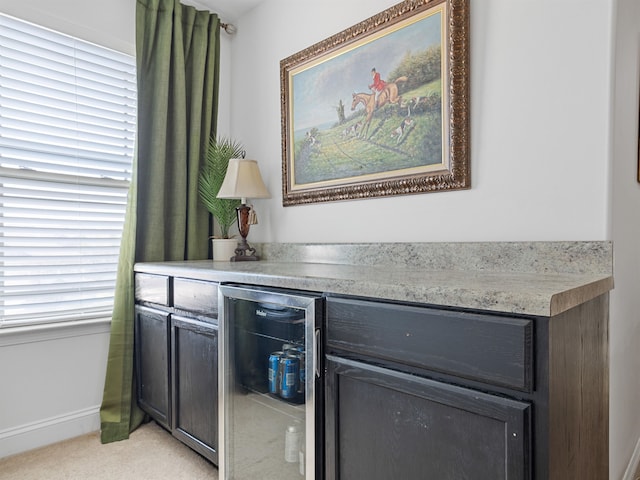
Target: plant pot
[[223, 249]]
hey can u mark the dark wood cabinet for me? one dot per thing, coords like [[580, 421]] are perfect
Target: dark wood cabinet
[[176, 352], [414, 392], [384, 424], [488, 348], [195, 384], [152, 363]]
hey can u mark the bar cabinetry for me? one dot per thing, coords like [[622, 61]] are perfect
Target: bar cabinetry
[[176, 342]]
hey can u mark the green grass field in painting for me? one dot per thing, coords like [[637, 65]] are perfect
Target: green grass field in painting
[[342, 152]]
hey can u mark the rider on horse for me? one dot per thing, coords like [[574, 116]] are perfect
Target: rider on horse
[[378, 84]]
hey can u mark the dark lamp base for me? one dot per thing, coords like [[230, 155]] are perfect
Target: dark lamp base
[[244, 252]]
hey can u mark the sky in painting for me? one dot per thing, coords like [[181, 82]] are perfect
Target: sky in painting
[[318, 89]]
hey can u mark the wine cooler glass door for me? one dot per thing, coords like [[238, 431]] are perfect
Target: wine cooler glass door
[[268, 374]]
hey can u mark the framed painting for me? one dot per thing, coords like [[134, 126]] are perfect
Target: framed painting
[[381, 108]]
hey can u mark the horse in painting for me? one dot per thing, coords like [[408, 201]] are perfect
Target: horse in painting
[[388, 95]]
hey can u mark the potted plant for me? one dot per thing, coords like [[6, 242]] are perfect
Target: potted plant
[[212, 174]]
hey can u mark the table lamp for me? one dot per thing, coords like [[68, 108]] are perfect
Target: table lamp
[[243, 180]]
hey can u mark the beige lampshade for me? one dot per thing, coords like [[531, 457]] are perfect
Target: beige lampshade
[[243, 180]]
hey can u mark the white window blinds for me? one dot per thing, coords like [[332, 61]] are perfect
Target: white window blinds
[[67, 131]]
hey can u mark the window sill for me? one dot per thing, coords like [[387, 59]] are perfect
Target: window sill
[[53, 331]]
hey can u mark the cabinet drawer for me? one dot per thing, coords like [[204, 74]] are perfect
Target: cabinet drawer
[[488, 348], [195, 296], [152, 288]]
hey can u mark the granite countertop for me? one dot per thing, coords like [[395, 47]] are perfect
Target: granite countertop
[[528, 287]]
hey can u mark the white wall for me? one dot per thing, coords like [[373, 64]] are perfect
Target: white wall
[[540, 78], [547, 148], [625, 301], [52, 381]]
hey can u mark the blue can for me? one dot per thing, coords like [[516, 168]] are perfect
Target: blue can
[[290, 379], [274, 364]]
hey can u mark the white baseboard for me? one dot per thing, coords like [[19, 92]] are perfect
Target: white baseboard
[[629, 474], [47, 431]]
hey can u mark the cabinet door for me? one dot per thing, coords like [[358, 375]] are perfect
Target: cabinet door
[[152, 363], [195, 384], [382, 424]]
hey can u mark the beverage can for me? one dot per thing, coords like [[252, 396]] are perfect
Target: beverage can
[[274, 368], [290, 379]]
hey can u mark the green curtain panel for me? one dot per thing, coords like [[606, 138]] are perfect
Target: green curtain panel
[[177, 55]]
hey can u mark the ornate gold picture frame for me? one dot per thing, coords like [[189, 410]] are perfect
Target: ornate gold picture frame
[[381, 108]]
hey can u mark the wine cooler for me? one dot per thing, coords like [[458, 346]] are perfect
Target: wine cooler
[[269, 384]]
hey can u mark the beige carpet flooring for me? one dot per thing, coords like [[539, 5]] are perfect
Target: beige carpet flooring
[[149, 453]]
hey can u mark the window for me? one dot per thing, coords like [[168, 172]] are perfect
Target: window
[[67, 132]]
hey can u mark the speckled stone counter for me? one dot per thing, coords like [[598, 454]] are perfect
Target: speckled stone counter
[[533, 278]]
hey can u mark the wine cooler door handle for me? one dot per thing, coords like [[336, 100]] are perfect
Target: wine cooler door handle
[[316, 353]]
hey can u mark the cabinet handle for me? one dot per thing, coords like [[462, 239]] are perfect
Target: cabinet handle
[[316, 353]]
